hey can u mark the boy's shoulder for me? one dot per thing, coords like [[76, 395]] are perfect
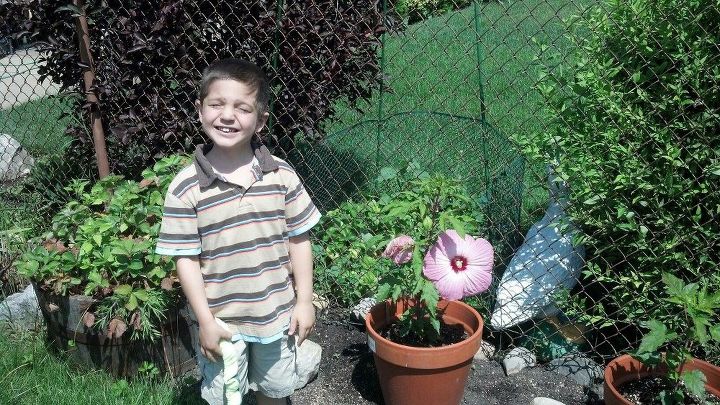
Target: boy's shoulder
[[283, 165], [184, 180]]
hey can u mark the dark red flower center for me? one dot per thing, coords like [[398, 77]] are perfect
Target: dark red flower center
[[458, 263]]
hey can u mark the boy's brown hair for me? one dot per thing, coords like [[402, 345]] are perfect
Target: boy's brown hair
[[242, 71]]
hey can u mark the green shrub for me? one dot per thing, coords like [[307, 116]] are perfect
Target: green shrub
[[637, 140], [351, 238], [102, 244]]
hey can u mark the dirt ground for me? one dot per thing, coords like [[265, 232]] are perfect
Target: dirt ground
[[347, 375]]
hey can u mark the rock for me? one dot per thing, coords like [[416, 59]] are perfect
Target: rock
[[15, 162], [21, 81], [545, 401], [308, 363], [486, 351], [21, 310], [595, 394], [321, 303], [581, 369], [518, 359], [546, 263], [362, 308]]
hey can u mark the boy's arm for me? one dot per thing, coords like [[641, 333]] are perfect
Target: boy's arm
[[188, 270], [303, 318]]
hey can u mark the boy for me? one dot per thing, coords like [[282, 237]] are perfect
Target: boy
[[237, 222]]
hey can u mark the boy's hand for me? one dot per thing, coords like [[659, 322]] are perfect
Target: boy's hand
[[302, 321], [210, 335]]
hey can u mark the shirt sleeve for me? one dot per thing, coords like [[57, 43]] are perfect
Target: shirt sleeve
[[179, 229], [300, 212]]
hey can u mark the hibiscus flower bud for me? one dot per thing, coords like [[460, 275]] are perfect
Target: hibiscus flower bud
[[400, 249]]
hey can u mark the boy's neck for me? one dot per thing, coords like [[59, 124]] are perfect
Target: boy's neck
[[228, 160]]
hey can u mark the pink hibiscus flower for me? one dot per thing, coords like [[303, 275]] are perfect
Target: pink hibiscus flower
[[459, 267], [400, 249]]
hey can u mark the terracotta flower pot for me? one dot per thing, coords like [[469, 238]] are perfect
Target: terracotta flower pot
[[625, 368], [418, 375]]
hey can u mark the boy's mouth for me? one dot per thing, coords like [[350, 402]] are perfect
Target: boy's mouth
[[226, 130]]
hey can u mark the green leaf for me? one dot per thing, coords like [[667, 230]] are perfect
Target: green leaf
[[136, 265], [435, 322], [132, 303], [387, 173], [656, 337], [123, 290], [430, 296], [592, 200], [383, 292], [95, 277], [86, 247], [142, 295], [398, 210], [715, 333], [700, 323], [458, 226], [674, 285], [397, 292], [695, 382]]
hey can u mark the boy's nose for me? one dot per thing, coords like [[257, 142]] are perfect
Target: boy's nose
[[227, 114]]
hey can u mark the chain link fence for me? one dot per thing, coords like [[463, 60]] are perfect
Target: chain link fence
[[586, 132]]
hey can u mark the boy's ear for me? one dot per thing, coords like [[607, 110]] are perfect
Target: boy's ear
[[198, 107], [262, 120]]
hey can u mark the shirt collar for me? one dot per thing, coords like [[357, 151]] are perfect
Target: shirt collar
[[206, 174]]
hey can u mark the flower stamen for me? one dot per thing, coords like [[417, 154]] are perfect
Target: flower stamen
[[459, 263]]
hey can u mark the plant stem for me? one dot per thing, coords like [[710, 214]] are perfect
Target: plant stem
[[432, 234], [687, 348]]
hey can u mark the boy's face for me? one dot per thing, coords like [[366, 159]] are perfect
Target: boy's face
[[228, 114]]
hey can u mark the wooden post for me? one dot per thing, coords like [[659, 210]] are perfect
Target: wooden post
[[89, 79]]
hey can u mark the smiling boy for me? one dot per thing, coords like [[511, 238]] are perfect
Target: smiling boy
[[237, 221]]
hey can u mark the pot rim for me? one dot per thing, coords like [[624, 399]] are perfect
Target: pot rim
[[467, 341]]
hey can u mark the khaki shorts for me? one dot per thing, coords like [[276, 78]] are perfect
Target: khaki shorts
[[268, 368]]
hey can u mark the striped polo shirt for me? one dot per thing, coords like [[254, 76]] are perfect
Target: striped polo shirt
[[240, 232]]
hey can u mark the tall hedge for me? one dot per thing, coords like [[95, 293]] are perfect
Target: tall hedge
[[149, 55], [636, 118]]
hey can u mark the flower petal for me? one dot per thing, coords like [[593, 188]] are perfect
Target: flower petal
[[478, 274], [476, 280], [451, 242], [479, 252], [436, 264], [451, 286]]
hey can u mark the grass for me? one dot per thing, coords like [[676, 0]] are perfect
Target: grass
[[30, 374], [39, 125], [435, 66]]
